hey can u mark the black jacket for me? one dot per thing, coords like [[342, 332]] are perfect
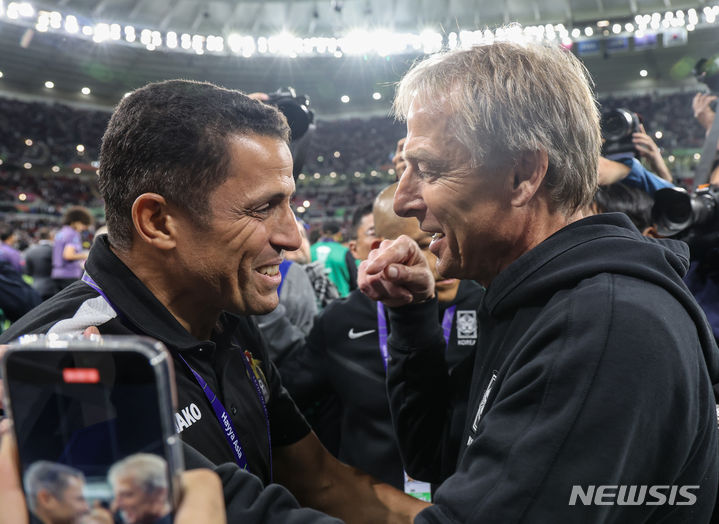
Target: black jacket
[[342, 356], [597, 370], [135, 310]]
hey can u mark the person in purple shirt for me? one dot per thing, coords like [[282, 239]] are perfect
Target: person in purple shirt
[[7, 249], [67, 253]]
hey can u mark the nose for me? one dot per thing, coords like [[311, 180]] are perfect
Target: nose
[[408, 200], [286, 235]]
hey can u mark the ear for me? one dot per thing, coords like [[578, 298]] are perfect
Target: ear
[[154, 223], [528, 174], [44, 497], [352, 245]]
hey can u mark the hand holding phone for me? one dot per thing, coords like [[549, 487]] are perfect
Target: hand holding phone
[[93, 423]]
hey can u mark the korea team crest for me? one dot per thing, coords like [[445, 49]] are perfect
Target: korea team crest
[[466, 327]]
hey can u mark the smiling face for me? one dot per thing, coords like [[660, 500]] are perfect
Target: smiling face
[[232, 263], [467, 208], [136, 505]]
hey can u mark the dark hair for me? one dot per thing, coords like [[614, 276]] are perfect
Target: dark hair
[[633, 202], [360, 211], [49, 476], [171, 138], [77, 214], [330, 227], [5, 232]]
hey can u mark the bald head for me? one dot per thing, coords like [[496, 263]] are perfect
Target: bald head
[[386, 223]]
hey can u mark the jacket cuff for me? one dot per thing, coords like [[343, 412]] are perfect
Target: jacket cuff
[[414, 326]]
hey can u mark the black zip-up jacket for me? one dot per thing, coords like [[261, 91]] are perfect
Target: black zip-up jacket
[[342, 356], [134, 310], [596, 375]]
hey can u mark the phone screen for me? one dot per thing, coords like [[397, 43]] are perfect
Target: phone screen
[[90, 437]]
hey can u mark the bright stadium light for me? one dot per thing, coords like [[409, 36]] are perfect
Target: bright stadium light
[[643, 73], [171, 39], [377, 96], [49, 84], [80, 148], [71, 25], [115, 32], [101, 33], [55, 169], [85, 91]]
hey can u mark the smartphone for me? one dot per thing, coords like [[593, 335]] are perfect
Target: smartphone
[[93, 424]]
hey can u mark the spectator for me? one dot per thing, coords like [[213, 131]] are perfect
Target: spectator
[[38, 264], [67, 253], [361, 236], [331, 254], [8, 252]]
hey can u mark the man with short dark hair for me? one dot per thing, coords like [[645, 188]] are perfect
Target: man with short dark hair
[[361, 235], [54, 493], [593, 399], [8, 251], [197, 182]]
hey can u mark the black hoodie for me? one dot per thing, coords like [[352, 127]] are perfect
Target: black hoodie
[[595, 375]]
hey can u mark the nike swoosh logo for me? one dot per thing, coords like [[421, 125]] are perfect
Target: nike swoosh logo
[[353, 335]]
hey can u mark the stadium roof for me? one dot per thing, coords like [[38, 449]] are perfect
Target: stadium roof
[[33, 55]]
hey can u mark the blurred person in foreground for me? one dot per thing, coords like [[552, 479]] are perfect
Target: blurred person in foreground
[[197, 182], [597, 364], [68, 255]]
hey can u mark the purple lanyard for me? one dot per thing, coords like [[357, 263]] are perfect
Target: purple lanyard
[[223, 418], [382, 328]]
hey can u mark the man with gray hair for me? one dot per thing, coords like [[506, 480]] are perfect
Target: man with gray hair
[[54, 493], [140, 487], [591, 397]]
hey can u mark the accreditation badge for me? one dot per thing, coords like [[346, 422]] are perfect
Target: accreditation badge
[[417, 488]]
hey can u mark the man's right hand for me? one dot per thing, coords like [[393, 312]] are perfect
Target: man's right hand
[[396, 273]]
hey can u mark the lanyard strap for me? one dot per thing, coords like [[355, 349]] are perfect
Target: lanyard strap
[[382, 329], [223, 418]]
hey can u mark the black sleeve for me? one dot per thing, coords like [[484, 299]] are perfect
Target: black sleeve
[[419, 391], [303, 371], [16, 297], [247, 501]]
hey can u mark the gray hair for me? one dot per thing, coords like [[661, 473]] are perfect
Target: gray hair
[[508, 98], [52, 477], [147, 470]]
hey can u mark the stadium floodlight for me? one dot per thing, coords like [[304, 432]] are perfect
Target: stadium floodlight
[[87, 30], [643, 73], [77, 170], [171, 40], [629, 27], [658, 134], [306, 203], [55, 169], [616, 29], [588, 31], [55, 20], [71, 25], [234, 42], [101, 33], [156, 39], [146, 37], [431, 41], [80, 148], [17, 10], [27, 165], [1, 74], [377, 96], [28, 142], [49, 84], [115, 32], [85, 91], [576, 32]]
